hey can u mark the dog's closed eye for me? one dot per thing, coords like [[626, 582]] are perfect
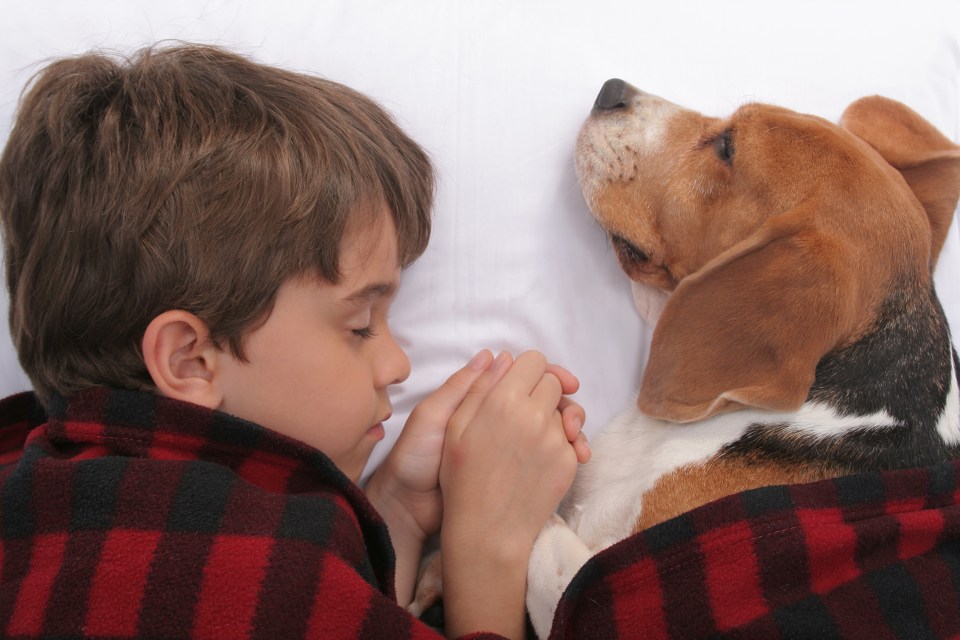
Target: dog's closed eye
[[628, 251], [723, 146]]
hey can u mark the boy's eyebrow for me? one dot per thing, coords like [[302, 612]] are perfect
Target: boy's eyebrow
[[375, 290]]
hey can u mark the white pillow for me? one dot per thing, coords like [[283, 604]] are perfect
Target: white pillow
[[496, 93]]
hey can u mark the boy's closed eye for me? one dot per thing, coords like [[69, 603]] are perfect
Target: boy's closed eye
[[364, 333], [374, 301], [360, 323]]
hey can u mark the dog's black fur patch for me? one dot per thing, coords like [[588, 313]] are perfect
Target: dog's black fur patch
[[903, 367]]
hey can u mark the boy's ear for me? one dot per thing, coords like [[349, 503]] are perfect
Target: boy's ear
[[182, 359]]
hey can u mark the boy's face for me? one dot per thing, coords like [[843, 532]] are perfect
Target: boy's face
[[319, 367]]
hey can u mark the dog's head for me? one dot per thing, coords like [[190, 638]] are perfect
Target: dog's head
[[767, 239]]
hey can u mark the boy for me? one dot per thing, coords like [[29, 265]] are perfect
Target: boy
[[201, 253]]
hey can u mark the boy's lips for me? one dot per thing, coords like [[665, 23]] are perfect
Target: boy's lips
[[377, 431]]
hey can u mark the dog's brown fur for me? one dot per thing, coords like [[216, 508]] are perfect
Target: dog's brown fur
[[727, 243], [695, 485], [786, 263], [799, 242]]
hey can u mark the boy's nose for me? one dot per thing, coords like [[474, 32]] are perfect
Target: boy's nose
[[404, 371], [395, 367]]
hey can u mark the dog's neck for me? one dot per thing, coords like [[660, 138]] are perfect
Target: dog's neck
[[904, 368], [901, 366]]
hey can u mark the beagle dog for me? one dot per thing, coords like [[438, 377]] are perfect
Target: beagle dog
[[786, 264]]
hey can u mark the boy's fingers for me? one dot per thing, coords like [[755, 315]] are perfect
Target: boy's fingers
[[548, 391], [479, 389], [527, 372], [443, 402], [568, 381], [573, 417], [582, 448]]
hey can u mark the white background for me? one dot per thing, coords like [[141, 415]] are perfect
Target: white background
[[495, 91]]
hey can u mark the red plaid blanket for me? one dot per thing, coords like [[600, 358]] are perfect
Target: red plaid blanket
[[127, 515], [869, 556]]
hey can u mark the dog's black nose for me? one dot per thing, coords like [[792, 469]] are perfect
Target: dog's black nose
[[613, 95]]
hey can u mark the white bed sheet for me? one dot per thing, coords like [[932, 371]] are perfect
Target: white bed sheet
[[496, 91]]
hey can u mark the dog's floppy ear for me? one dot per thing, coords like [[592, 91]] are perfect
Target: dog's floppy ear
[[749, 328], [928, 160]]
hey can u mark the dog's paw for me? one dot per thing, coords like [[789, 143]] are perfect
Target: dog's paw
[[429, 585], [557, 556]]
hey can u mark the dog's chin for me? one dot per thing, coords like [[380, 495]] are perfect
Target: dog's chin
[[649, 301]]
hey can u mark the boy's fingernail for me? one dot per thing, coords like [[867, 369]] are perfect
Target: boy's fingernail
[[480, 360], [500, 361]]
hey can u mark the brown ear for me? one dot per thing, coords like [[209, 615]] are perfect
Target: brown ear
[[927, 159], [750, 327]]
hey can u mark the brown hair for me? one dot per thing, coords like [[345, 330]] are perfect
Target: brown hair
[[185, 177]]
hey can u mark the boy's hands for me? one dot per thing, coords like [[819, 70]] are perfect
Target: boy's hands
[[513, 432], [409, 472], [507, 462], [406, 489], [414, 462]]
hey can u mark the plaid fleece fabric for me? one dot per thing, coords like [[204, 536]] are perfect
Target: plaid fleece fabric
[[126, 515], [870, 556]]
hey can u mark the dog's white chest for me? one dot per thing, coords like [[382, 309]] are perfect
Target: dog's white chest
[[629, 455], [634, 451]]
